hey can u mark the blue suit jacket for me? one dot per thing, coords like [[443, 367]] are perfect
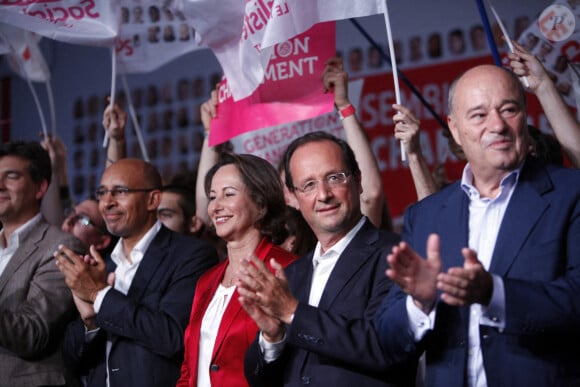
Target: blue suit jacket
[[335, 344], [537, 254], [146, 326]]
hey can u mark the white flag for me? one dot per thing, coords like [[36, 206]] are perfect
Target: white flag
[[88, 22], [242, 34], [24, 55]]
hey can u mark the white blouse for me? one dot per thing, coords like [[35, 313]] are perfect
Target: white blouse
[[209, 330]]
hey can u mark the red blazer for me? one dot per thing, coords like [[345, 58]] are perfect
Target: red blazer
[[236, 332]]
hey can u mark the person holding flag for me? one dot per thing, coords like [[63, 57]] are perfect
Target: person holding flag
[[565, 126]]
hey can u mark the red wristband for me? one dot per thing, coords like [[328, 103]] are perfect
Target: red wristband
[[346, 111]]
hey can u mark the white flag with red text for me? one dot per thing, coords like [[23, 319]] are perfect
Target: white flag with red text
[[242, 34], [88, 22]]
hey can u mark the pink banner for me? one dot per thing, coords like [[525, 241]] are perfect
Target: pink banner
[[242, 33], [291, 91]]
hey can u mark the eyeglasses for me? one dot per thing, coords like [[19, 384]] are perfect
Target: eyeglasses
[[82, 219], [332, 180], [119, 192]]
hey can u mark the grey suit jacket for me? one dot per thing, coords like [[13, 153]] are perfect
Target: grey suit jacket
[[35, 306]]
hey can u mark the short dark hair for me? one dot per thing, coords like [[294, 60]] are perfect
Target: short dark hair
[[33, 152], [186, 198], [265, 190], [319, 136], [546, 146]]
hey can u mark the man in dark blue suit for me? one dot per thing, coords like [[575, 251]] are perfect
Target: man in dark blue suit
[[316, 315], [132, 320], [495, 302]]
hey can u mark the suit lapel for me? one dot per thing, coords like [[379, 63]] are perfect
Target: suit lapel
[[358, 251], [454, 232], [25, 250], [525, 208], [154, 256], [301, 275], [229, 315], [234, 308]]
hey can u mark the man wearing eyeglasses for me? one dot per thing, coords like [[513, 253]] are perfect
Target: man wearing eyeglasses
[[316, 315], [35, 303], [132, 320], [86, 223]]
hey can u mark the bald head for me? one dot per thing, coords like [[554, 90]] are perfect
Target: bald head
[[129, 197], [138, 170], [482, 74]]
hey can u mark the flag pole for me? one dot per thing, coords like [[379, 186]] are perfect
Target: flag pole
[[136, 125], [51, 107], [113, 88], [394, 68], [507, 37], [488, 32], [406, 80]]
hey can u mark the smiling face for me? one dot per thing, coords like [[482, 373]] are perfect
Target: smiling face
[[331, 211], [230, 207], [488, 120], [19, 194], [133, 214]]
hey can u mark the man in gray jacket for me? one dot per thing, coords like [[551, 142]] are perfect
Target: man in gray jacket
[[35, 303]]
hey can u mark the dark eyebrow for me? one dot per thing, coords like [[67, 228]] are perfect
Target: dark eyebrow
[[165, 209]]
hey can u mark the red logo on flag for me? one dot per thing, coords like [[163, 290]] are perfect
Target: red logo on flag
[[26, 54]]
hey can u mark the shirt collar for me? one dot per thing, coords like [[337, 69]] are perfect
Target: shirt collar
[[339, 247], [21, 233], [117, 255], [467, 186]]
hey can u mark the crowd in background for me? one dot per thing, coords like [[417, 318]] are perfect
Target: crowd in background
[[247, 273]]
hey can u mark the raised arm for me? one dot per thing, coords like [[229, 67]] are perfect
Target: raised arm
[[208, 158], [114, 122], [335, 79], [57, 197], [565, 126], [407, 129]]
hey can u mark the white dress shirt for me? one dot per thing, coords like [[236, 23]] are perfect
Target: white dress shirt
[[20, 234], [124, 274], [323, 265]]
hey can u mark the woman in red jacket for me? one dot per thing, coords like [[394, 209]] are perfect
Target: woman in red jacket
[[247, 209]]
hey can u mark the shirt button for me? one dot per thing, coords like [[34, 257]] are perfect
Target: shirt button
[[214, 367], [305, 380]]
